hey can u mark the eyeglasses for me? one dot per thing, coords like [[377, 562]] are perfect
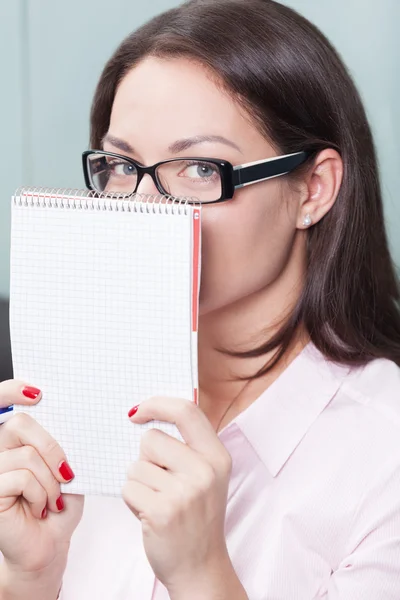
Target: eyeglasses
[[207, 180]]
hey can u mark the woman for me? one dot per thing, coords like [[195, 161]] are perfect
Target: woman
[[289, 484]]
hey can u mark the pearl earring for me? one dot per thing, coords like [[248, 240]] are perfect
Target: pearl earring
[[307, 220]]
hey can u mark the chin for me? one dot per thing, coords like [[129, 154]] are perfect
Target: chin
[[205, 307], [210, 303]]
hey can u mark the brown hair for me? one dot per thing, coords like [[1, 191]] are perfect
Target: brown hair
[[292, 81]]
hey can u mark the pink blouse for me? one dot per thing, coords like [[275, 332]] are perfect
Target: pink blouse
[[314, 497]]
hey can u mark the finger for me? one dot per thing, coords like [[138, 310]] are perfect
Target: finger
[[192, 423], [68, 520], [22, 483], [150, 475], [140, 499], [27, 457], [163, 450], [22, 430], [13, 391]]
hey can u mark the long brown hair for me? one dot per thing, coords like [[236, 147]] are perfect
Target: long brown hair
[[294, 84]]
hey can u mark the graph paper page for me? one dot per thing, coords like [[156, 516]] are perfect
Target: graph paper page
[[101, 319]]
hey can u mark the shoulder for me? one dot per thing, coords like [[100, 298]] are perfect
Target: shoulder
[[359, 435], [372, 394], [365, 412], [376, 387], [361, 419]]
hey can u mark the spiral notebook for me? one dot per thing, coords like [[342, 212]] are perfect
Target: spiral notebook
[[103, 314]]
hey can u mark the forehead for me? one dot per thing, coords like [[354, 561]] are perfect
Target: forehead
[[174, 96]]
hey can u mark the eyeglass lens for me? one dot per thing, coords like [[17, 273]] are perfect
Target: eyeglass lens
[[185, 177]]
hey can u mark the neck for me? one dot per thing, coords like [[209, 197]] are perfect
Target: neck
[[243, 325]]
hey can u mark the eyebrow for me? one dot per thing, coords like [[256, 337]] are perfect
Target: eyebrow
[[186, 143], [175, 147], [117, 143]]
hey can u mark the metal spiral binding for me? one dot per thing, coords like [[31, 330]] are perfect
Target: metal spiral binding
[[81, 199]]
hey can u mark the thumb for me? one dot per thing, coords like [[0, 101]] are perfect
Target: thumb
[[14, 391], [67, 520]]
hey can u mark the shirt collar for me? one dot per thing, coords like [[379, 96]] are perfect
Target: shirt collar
[[279, 419]]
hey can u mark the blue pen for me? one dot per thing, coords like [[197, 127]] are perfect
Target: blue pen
[[5, 413]]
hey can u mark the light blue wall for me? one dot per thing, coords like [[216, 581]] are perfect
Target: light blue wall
[[12, 156], [51, 55]]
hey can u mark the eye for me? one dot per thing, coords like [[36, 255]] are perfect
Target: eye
[[199, 171], [121, 168]]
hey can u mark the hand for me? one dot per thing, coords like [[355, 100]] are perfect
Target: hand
[[179, 492], [35, 529]]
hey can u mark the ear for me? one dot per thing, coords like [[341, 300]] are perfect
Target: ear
[[321, 187]]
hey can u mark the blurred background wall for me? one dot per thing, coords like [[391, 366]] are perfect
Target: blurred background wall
[[52, 53]]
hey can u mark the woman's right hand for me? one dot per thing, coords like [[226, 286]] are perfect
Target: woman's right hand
[[36, 522]]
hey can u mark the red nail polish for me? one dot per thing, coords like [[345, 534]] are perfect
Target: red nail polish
[[30, 392], [66, 471], [60, 503], [133, 411], [44, 513]]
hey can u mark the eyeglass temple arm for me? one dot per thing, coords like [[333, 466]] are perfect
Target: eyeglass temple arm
[[264, 169]]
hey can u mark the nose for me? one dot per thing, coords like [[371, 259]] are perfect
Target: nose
[[147, 186]]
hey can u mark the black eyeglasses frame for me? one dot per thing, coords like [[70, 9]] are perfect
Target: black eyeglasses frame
[[232, 178]]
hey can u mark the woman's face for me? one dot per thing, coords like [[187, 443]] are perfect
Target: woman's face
[[248, 240]]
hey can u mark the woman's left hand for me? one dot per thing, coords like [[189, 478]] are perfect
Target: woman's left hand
[[179, 492]]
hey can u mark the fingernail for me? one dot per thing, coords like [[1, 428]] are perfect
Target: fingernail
[[66, 471], [31, 392], [133, 411], [44, 513], [60, 503]]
